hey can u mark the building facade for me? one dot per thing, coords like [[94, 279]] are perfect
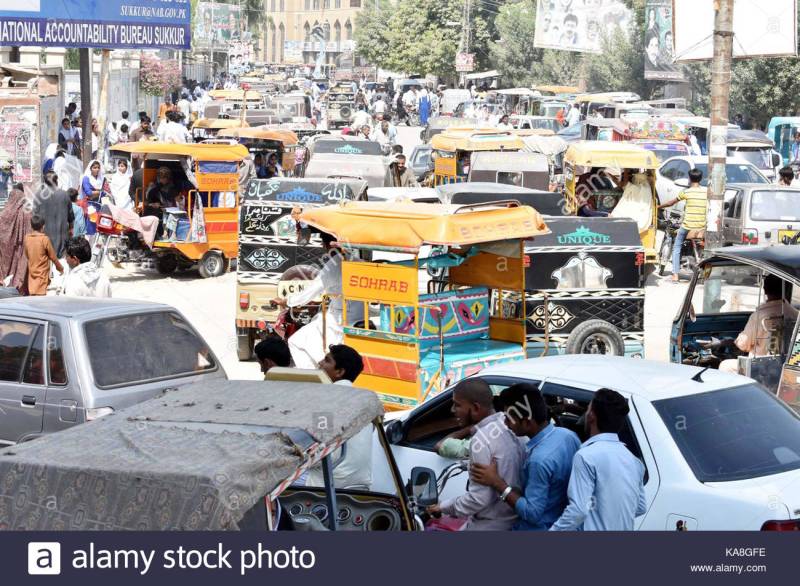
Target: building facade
[[289, 23]]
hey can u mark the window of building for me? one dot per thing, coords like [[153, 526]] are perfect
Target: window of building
[[348, 30], [338, 3], [308, 4], [337, 32], [355, 3]]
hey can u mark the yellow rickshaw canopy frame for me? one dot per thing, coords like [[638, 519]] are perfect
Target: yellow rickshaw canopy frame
[[199, 151], [620, 155]]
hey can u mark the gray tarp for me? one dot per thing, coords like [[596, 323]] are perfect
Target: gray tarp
[[195, 458]]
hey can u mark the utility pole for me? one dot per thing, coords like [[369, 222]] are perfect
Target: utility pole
[[86, 104], [102, 116], [213, 37], [718, 132]]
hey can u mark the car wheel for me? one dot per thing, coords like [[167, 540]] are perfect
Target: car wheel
[[166, 264], [596, 336], [213, 264]]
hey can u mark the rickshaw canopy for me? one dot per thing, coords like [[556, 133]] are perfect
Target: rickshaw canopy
[[259, 133], [407, 226], [235, 95], [199, 151], [220, 123], [556, 89], [610, 154], [205, 454], [452, 140]]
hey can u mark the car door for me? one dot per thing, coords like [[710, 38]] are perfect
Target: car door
[[22, 378], [664, 178], [731, 221], [414, 437]]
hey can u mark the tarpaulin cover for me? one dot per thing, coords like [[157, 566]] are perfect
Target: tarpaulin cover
[[194, 458]]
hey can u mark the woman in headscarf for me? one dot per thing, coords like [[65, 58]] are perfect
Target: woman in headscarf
[[68, 137], [120, 184], [15, 223], [93, 187]]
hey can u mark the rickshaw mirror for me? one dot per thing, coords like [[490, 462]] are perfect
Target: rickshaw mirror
[[422, 486]]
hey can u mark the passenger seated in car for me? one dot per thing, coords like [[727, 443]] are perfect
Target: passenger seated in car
[[760, 337]]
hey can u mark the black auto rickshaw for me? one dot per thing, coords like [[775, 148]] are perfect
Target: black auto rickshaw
[[521, 169]]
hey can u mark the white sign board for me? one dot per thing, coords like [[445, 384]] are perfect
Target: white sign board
[[578, 25], [762, 28]]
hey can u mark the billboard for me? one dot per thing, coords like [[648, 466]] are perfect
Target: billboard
[[761, 29], [293, 52], [103, 24], [659, 47], [218, 23], [578, 25]]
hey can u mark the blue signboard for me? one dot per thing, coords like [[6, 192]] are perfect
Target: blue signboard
[[103, 24]]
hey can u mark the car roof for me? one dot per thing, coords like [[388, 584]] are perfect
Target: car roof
[[648, 379], [782, 259], [79, 307]]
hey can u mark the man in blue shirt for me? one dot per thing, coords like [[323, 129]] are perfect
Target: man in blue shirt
[[545, 471], [606, 490]]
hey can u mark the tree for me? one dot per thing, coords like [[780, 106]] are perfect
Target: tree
[[158, 77], [513, 55], [371, 31]]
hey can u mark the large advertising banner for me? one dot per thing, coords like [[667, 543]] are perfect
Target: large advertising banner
[[578, 25], [218, 23], [659, 45], [761, 28], [106, 24]]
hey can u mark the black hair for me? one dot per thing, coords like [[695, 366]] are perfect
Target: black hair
[[73, 194], [475, 390], [786, 173], [399, 156], [64, 119], [649, 37], [327, 239], [275, 349], [19, 186], [125, 114], [397, 149], [142, 115], [347, 359], [79, 248], [567, 18], [610, 409], [525, 401], [775, 289], [695, 175], [123, 128], [51, 179], [37, 222]]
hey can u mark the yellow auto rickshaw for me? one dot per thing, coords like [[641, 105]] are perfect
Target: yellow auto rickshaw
[[614, 179], [453, 148], [265, 141], [417, 338], [202, 229], [206, 128]]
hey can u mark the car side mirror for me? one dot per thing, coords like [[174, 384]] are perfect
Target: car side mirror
[[727, 205], [682, 182], [422, 486], [394, 431]]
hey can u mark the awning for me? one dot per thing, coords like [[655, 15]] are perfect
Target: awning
[[483, 75]]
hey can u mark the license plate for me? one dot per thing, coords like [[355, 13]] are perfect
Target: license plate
[[287, 288], [786, 234]]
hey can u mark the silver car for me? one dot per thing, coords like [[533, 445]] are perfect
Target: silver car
[[760, 214], [65, 361]]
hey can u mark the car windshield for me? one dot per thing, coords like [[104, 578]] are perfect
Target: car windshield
[[775, 206], [761, 158], [735, 173], [343, 147], [733, 434], [422, 157], [135, 349]]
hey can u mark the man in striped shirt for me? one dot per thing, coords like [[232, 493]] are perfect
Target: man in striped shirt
[[694, 215]]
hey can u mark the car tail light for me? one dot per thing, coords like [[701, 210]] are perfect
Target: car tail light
[[244, 300], [98, 412], [786, 525], [750, 237]]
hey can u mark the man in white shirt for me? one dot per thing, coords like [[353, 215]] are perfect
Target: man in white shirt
[[84, 279], [574, 115], [185, 108], [385, 134], [379, 107], [410, 99], [172, 131], [360, 119]]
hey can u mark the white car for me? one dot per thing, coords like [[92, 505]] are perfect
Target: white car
[[720, 452], [737, 170]]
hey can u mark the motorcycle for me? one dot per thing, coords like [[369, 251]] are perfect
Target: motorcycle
[[418, 489], [691, 252], [118, 244]]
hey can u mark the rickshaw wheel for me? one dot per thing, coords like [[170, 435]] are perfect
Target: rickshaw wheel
[[166, 264], [213, 264], [596, 336]]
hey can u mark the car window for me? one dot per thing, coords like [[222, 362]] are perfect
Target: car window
[[775, 206], [735, 173], [668, 170], [56, 368], [15, 340], [727, 289], [682, 170], [134, 349], [733, 434], [33, 373], [509, 178]]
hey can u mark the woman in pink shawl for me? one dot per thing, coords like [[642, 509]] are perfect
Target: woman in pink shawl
[[15, 223]]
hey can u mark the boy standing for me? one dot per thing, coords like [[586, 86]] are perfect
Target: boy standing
[[39, 252]]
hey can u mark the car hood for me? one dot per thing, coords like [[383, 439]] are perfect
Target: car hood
[[779, 492]]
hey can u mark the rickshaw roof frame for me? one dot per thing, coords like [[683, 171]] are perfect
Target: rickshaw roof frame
[[273, 423], [199, 151], [260, 133], [407, 226], [236, 95], [622, 155], [472, 140], [220, 123]]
